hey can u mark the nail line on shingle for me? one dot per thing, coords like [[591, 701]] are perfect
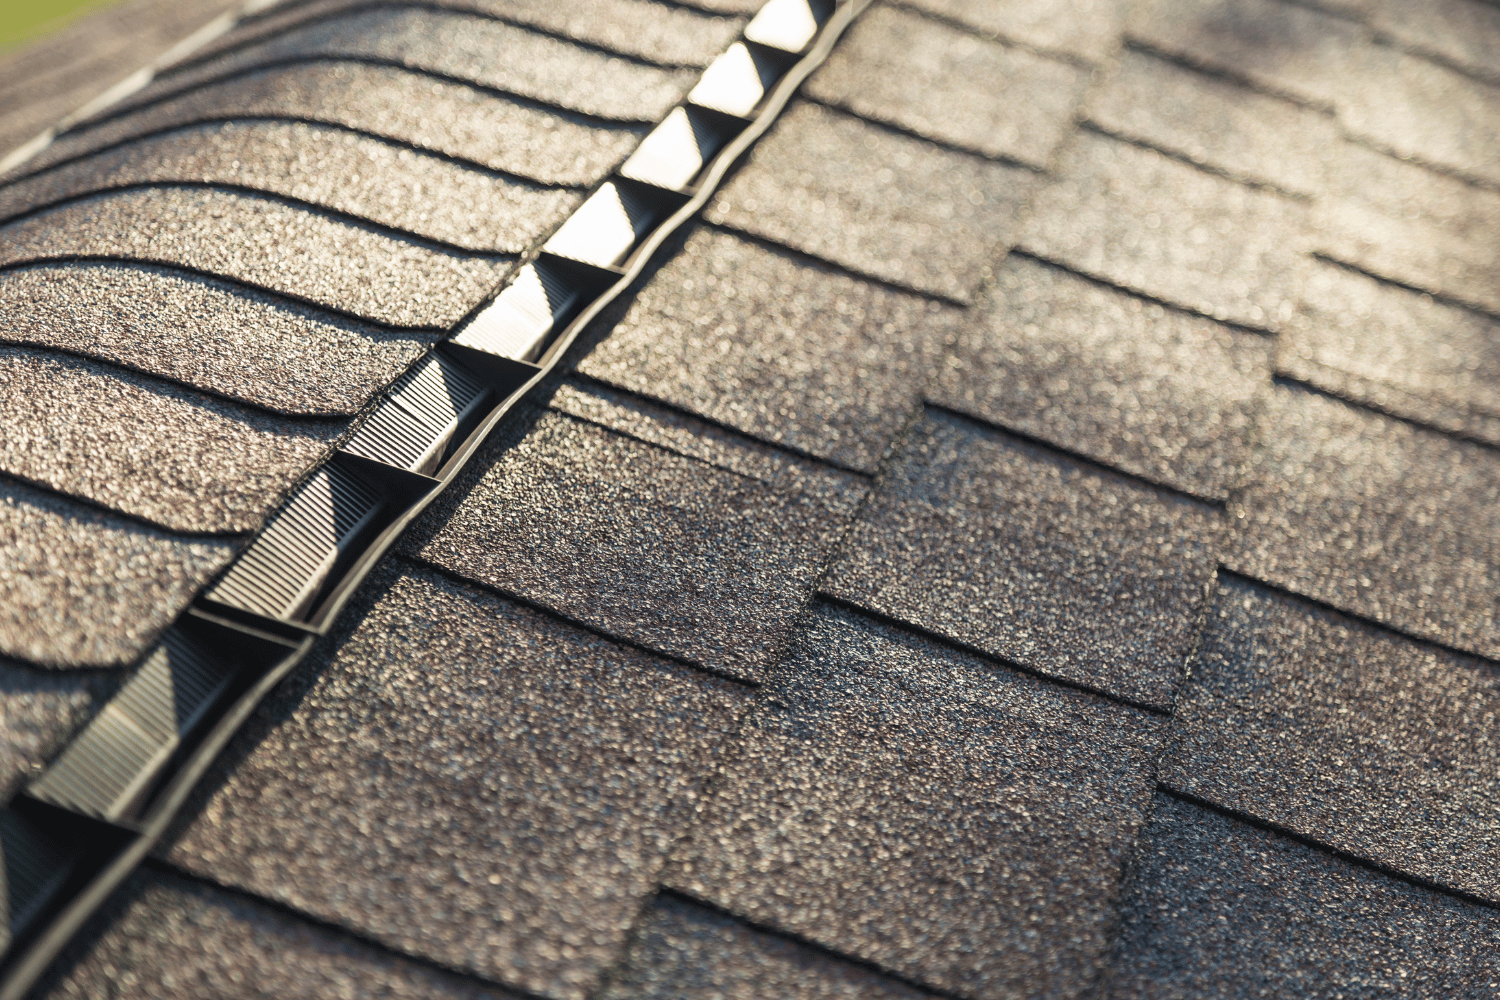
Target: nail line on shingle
[[948, 146], [1284, 376], [1292, 381], [1183, 60], [1446, 298], [1243, 180], [1009, 41], [1393, 41]]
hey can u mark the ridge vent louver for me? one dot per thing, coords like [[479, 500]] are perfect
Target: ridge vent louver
[[32, 867], [604, 229], [738, 79], [524, 315], [788, 25], [675, 152], [414, 423]]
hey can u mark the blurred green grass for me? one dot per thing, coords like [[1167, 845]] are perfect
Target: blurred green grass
[[23, 21]]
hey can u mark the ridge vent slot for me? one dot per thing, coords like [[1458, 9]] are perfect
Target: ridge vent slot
[[524, 315], [604, 228], [417, 419], [738, 80], [33, 866], [675, 152], [789, 25]]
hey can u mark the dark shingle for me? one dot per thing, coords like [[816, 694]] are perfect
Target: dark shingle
[[83, 588], [1162, 394], [1345, 733], [1375, 516], [172, 939], [449, 118], [38, 712], [1137, 218], [682, 950], [1065, 569], [519, 781], [139, 446], [945, 84], [277, 246], [345, 171], [777, 346], [876, 201], [646, 544], [924, 811], [1087, 29], [205, 333], [1221, 909]]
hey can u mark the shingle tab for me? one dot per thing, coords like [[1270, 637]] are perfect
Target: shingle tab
[[924, 76], [524, 777], [1347, 734], [38, 712], [777, 346], [1374, 516], [876, 201], [167, 937], [682, 950], [924, 811], [279, 247], [345, 171], [1464, 33], [1087, 29], [450, 118], [124, 582], [1162, 394], [205, 333], [1220, 908], [1065, 569], [658, 548], [1137, 218], [168, 455]]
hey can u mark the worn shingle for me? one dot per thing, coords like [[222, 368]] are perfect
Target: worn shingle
[[38, 712], [1375, 516], [1220, 908], [876, 201], [204, 333], [926, 77], [1065, 569], [520, 779], [777, 346], [924, 811], [330, 167], [1087, 29], [1159, 393], [279, 247]]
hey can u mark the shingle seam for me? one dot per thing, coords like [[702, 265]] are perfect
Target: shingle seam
[[1391, 40], [1324, 848], [1340, 385], [946, 145], [82, 500], [1290, 380], [657, 446], [1183, 60], [1010, 41], [1447, 298], [1243, 180]]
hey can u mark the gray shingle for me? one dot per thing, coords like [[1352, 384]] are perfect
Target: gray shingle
[[682, 950], [1216, 123], [1065, 569], [1139, 219], [777, 346], [1087, 29], [173, 939], [921, 75], [277, 246], [1219, 908], [331, 167], [519, 781], [1165, 395], [84, 588], [450, 118], [38, 712], [646, 544], [1347, 734], [1374, 516], [204, 333], [876, 201], [1397, 350], [145, 448], [922, 810], [1464, 33]]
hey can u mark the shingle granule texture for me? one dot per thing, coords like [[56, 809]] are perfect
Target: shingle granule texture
[[1218, 908], [79, 587], [170, 938], [204, 333], [646, 544], [1397, 350], [502, 133], [519, 781], [682, 950], [1375, 516], [778, 346], [469, 49], [1086, 29], [1217, 124], [1136, 218], [926, 77], [1347, 734], [1165, 395], [168, 455], [329, 167], [279, 247], [1063, 568], [876, 201], [38, 712], [917, 808], [1463, 33], [657, 32]]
